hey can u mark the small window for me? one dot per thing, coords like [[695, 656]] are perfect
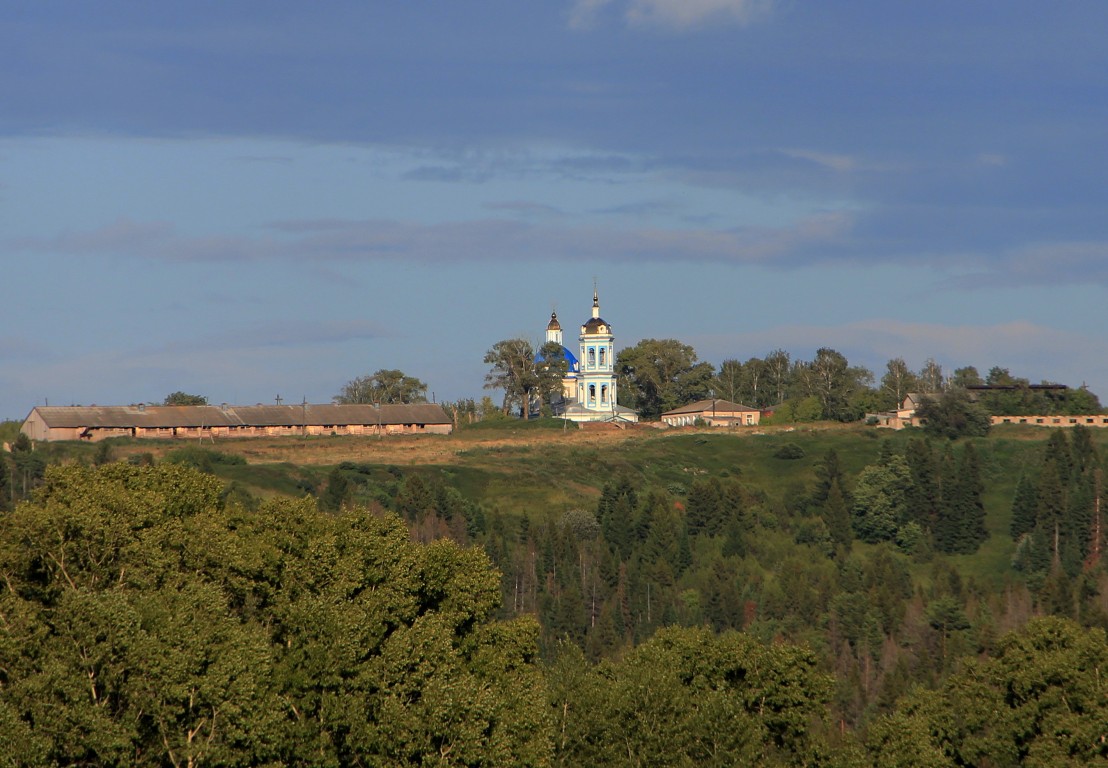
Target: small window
[[1088, 421], [603, 387], [602, 357], [592, 357], [1038, 421], [1073, 421]]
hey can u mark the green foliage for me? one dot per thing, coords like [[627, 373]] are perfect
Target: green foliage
[[9, 430], [183, 398], [952, 415], [385, 386], [689, 697], [658, 375], [145, 624], [1039, 702], [881, 500], [525, 377], [203, 459], [789, 451]]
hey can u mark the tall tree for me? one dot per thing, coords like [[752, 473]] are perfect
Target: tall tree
[[657, 375], [897, 382], [387, 386], [778, 369], [835, 382], [728, 382], [513, 371], [931, 376]]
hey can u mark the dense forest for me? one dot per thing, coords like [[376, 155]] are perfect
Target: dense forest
[[821, 598]]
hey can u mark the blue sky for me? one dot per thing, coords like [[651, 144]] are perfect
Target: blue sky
[[249, 199]]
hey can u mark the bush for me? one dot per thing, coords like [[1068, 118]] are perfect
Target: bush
[[789, 451]]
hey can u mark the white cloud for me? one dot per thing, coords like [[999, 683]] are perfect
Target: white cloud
[[684, 14], [583, 13], [674, 14]]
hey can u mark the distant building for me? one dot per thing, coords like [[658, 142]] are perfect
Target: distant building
[[589, 386], [905, 415], [211, 421], [713, 413]]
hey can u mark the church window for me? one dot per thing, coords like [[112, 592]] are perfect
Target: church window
[[603, 393], [592, 357], [592, 393], [602, 357]]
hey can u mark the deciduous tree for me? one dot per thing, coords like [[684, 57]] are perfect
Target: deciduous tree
[[387, 386]]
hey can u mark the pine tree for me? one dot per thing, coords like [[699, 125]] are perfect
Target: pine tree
[[972, 531], [1051, 510], [704, 507], [1024, 505], [924, 494], [836, 515]]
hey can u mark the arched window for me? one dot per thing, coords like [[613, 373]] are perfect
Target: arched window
[[603, 393], [602, 357], [592, 357], [592, 393]]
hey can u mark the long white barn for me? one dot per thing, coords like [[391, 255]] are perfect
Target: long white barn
[[93, 423]]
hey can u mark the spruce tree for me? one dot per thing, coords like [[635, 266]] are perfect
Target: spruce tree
[[1024, 505], [924, 494], [972, 531], [836, 515]]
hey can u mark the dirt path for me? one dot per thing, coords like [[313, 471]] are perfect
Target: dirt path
[[395, 449]]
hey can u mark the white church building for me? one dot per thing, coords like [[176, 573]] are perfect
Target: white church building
[[589, 387]]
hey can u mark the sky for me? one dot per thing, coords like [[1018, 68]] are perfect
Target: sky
[[258, 199]]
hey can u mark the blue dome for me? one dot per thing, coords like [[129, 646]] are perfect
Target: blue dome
[[572, 367]]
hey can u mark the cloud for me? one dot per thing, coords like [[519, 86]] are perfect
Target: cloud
[[684, 14], [671, 14], [483, 240], [524, 208], [584, 12]]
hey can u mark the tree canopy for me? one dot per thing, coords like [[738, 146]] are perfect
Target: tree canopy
[[657, 375], [524, 376], [387, 386], [142, 622], [183, 398]]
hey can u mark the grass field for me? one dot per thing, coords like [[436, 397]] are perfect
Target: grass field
[[541, 470]]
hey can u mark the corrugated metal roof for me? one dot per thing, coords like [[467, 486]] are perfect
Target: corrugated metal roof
[[168, 416], [706, 406]]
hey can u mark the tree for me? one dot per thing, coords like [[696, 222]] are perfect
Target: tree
[[881, 500], [657, 375], [1039, 702], [778, 371], [835, 382], [728, 383], [145, 623], [897, 382], [524, 376], [953, 414], [931, 376], [966, 377], [183, 398], [385, 386]]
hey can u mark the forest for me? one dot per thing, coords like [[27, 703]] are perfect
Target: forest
[[823, 597]]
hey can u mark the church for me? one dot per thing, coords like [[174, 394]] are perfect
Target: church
[[589, 386]]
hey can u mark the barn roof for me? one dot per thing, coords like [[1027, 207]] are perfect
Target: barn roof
[[166, 416], [707, 406]]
